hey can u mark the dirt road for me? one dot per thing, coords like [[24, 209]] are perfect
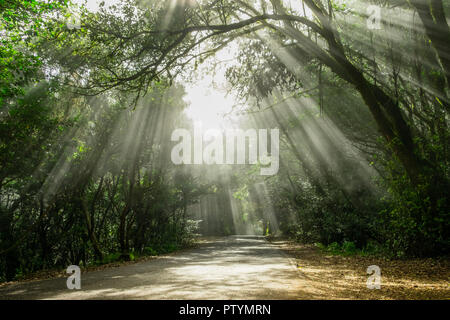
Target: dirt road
[[248, 267], [236, 267]]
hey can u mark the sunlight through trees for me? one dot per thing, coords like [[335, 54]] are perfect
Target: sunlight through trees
[[88, 111]]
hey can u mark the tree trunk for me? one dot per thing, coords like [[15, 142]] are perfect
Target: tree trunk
[[91, 232], [122, 233]]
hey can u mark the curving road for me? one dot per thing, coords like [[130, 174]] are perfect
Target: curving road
[[236, 267]]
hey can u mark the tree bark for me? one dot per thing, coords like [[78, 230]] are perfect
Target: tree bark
[[91, 232]]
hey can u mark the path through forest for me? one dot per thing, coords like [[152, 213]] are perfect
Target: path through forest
[[235, 267]]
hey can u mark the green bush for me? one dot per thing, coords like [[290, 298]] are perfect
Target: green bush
[[414, 224], [109, 258], [334, 248], [348, 247], [149, 251]]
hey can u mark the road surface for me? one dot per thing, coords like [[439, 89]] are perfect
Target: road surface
[[235, 267]]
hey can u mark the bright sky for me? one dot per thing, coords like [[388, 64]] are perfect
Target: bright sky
[[93, 5], [207, 104]]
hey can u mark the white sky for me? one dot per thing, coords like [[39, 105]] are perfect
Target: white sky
[[207, 104], [93, 5]]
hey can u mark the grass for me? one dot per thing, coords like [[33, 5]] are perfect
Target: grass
[[348, 248]]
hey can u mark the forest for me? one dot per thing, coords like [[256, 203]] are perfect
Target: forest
[[91, 94]]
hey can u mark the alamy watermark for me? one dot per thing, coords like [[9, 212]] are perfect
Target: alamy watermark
[[374, 280], [74, 281], [228, 147]]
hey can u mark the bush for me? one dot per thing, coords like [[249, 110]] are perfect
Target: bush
[[149, 251], [112, 257], [348, 247], [414, 224]]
